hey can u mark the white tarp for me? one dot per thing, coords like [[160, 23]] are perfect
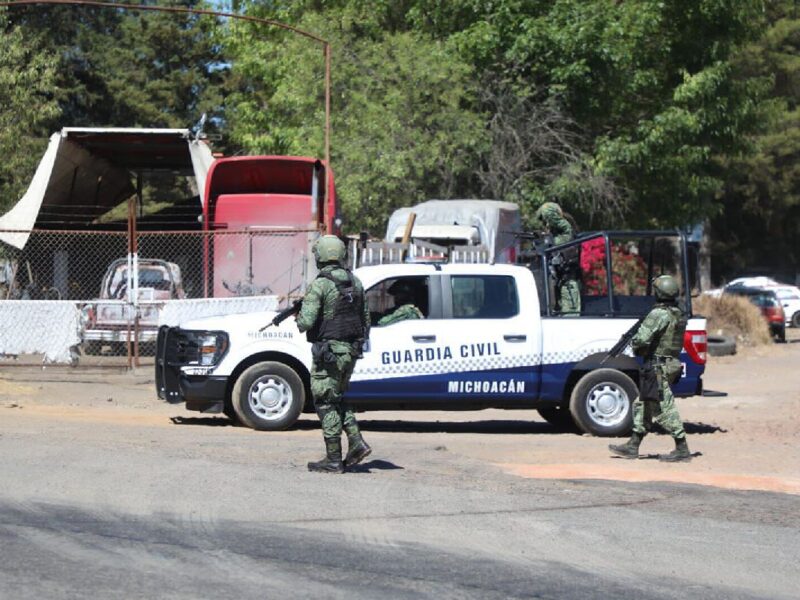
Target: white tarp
[[68, 175], [495, 220], [49, 327], [176, 312], [202, 158]]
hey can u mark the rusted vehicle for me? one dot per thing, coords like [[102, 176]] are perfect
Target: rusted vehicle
[[109, 320]]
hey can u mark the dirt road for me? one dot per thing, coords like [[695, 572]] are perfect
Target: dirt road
[[749, 439]]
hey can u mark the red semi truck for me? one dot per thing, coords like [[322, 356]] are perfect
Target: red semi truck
[[261, 210]]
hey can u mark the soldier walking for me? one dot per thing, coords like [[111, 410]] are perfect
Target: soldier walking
[[335, 318], [659, 340]]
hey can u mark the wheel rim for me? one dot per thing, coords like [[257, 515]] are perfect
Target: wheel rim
[[607, 404], [270, 397]]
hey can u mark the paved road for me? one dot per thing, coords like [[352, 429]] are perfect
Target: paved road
[[131, 509]]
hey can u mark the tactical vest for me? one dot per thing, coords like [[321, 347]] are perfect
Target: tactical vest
[[346, 324], [671, 341]]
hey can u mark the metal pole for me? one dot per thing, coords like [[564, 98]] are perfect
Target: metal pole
[[328, 190]]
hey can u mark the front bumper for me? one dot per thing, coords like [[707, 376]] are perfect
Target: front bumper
[[203, 393], [118, 335]]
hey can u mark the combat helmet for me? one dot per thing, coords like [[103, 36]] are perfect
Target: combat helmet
[[329, 249], [665, 287], [547, 213]]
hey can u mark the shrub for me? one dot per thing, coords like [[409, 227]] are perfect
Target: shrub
[[735, 316]]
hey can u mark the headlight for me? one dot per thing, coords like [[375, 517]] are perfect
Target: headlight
[[205, 348]]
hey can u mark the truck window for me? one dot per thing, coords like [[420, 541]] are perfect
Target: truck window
[[635, 262], [484, 297], [390, 294]]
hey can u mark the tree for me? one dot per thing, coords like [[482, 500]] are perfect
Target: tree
[[759, 227], [404, 126], [27, 102], [125, 68]]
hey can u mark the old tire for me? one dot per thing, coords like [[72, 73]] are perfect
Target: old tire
[[268, 396], [601, 403], [721, 345], [559, 417]]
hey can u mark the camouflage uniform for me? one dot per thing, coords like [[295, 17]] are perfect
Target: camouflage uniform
[[329, 380], [401, 313], [551, 217], [659, 340], [335, 316]]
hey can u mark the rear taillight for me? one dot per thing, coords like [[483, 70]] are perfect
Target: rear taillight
[[774, 314], [696, 343]]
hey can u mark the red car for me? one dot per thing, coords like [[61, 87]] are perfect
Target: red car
[[769, 304]]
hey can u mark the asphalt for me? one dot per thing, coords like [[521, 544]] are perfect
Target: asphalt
[[142, 511]]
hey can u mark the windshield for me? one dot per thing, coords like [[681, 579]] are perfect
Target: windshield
[[155, 277]]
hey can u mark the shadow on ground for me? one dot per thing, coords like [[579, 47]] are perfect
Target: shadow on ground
[[376, 465], [506, 427], [206, 421]]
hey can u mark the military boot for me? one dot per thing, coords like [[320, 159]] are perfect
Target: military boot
[[629, 449], [680, 454], [332, 463], [357, 450]]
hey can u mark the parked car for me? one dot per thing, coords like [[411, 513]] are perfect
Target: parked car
[[769, 304], [789, 295], [108, 323]]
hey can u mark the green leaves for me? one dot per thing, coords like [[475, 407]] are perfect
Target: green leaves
[[27, 103]]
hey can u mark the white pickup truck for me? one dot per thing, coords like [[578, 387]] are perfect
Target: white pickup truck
[[490, 339]]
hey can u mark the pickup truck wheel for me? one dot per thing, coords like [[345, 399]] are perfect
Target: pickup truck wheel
[[558, 416], [796, 319], [268, 396], [602, 402]]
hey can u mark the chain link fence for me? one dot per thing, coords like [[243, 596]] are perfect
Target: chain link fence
[[97, 298]]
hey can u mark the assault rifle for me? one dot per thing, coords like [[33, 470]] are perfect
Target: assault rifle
[[287, 312], [623, 342]]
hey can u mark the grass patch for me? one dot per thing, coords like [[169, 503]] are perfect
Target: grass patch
[[734, 316]]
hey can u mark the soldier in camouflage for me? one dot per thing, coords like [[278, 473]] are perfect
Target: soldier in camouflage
[[335, 318], [659, 340], [405, 308], [550, 217]]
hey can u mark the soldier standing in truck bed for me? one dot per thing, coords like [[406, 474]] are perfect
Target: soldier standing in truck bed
[[550, 217]]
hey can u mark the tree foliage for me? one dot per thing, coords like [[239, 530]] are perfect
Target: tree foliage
[[404, 124], [27, 103], [759, 227], [636, 113]]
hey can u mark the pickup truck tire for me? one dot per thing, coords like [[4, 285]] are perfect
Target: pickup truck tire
[[559, 417], [796, 319], [602, 402], [268, 396]]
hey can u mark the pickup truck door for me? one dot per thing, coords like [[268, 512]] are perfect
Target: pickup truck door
[[491, 325], [400, 357]]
